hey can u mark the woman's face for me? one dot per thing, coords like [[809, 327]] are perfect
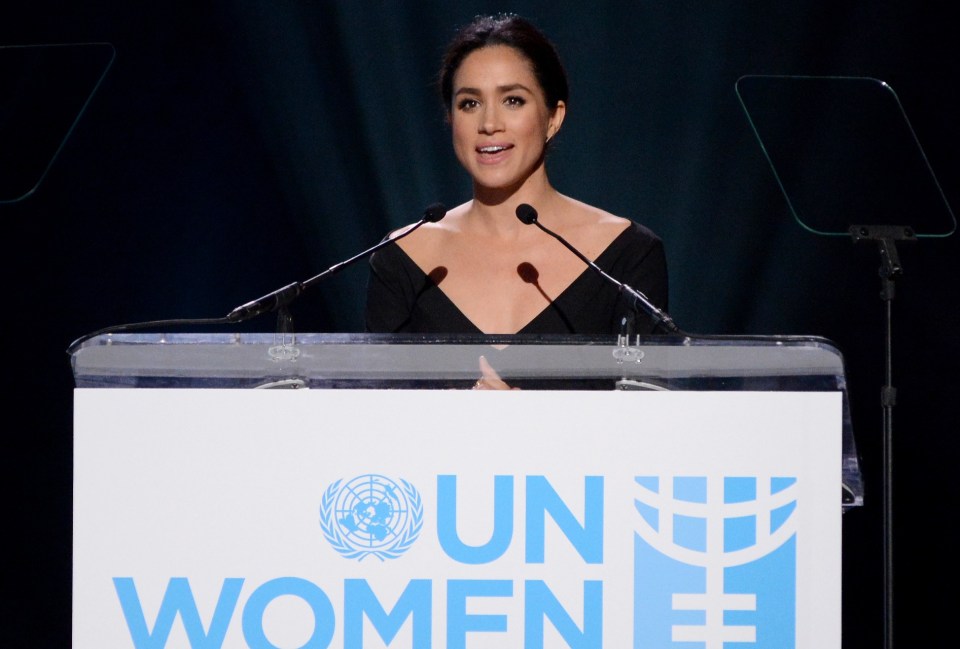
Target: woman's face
[[499, 117]]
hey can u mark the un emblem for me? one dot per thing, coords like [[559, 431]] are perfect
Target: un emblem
[[715, 561], [371, 515]]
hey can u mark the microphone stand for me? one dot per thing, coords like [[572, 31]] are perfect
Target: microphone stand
[[286, 294], [278, 300], [527, 214]]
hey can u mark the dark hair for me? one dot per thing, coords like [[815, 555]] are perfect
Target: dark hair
[[513, 31]]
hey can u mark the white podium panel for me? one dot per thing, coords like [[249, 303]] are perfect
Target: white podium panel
[[453, 518]]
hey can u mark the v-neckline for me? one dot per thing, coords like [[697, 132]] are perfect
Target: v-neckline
[[540, 314]]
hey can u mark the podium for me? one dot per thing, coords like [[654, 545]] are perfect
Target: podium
[[350, 490]]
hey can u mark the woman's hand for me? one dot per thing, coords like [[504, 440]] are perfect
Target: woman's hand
[[489, 379]]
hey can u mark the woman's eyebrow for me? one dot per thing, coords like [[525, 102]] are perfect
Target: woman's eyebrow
[[510, 87]]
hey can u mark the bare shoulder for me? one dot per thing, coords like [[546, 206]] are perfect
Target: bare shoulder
[[593, 225], [427, 242], [592, 215]]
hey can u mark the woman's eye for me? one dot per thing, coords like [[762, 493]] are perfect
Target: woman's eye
[[515, 101], [467, 104]]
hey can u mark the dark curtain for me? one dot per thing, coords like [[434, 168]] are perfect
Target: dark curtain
[[236, 146]]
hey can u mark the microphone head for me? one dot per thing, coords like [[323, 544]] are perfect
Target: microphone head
[[526, 213], [434, 212]]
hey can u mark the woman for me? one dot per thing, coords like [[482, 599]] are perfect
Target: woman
[[480, 269]]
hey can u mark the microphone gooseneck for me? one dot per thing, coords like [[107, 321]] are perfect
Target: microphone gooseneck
[[269, 302], [528, 215], [285, 295]]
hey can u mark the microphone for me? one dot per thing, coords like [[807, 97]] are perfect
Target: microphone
[[528, 215], [286, 294], [275, 300]]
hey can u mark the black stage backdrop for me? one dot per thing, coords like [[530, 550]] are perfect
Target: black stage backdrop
[[234, 147]]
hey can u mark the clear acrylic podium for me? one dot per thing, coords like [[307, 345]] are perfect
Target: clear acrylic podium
[[347, 490], [330, 361]]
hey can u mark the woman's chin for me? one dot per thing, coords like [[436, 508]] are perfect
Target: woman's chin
[[493, 189]]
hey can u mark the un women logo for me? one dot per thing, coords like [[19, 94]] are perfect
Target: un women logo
[[715, 561], [371, 515]]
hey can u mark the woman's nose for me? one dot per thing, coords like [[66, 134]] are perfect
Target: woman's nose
[[490, 121]]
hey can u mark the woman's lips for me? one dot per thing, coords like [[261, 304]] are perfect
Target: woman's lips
[[493, 153]]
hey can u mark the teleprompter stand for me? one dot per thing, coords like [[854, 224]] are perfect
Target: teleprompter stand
[[868, 162]]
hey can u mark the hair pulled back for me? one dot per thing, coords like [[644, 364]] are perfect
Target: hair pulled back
[[513, 31]]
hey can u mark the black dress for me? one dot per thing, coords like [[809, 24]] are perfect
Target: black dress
[[401, 298]]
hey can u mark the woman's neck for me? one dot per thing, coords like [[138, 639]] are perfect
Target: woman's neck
[[499, 221], [499, 205]]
